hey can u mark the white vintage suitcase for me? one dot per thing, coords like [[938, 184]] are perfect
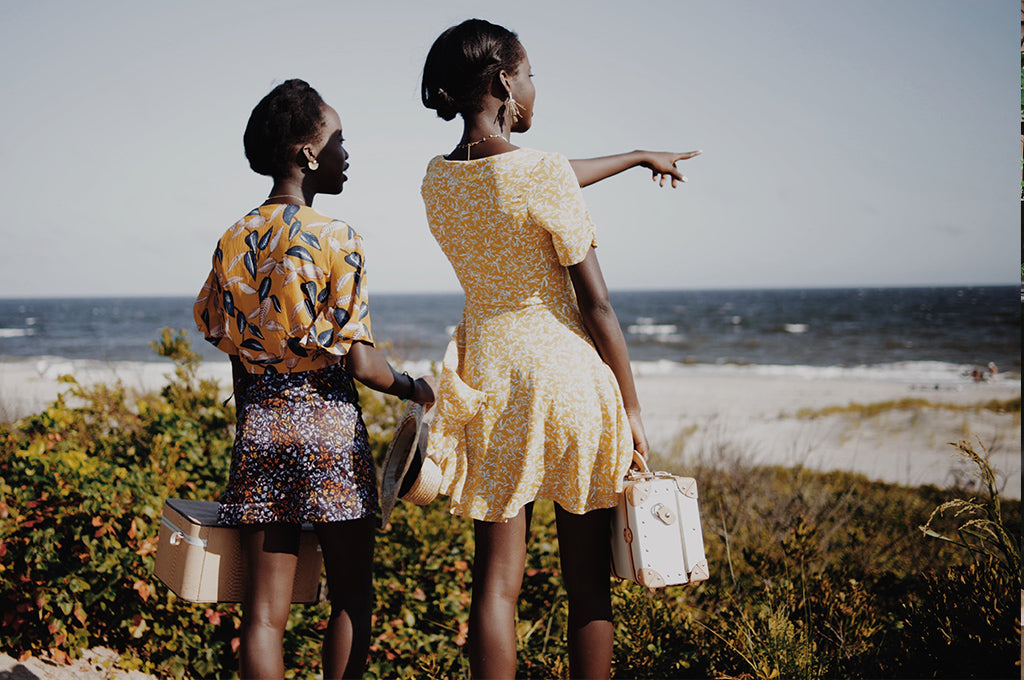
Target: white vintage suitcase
[[201, 561], [656, 535]]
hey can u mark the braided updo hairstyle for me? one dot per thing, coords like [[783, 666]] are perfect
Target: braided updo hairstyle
[[462, 64], [289, 116]]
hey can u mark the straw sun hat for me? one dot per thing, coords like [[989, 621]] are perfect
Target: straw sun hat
[[408, 473]]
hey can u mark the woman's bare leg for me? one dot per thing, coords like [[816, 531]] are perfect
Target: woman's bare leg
[[584, 547], [348, 559], [497, 578], [270, 552]]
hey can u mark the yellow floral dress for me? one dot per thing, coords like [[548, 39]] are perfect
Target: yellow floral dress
[[525, 407]]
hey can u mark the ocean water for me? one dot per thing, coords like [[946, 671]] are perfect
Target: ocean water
[[914, 333]]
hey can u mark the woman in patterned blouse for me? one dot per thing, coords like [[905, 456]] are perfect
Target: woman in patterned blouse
[[536, 397], [286, 298]]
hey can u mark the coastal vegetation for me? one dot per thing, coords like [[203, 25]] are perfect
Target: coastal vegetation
[[812, 575], [877, 408]]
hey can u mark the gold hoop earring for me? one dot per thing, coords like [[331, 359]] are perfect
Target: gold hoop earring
[[313, 164], [515, 112]]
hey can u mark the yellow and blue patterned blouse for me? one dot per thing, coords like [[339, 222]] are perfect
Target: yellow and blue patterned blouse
[[287, 291]]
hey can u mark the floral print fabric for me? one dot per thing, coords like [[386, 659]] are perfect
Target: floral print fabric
[[525, 406], [286, 291], [301, 451]]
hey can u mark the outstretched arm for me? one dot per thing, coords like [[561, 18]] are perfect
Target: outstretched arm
[[369, 367], [604, 329], [662, 165]]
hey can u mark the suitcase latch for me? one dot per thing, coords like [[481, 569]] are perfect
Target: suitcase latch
[[663, 513]]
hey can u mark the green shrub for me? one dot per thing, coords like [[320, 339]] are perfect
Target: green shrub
[[812, 575]]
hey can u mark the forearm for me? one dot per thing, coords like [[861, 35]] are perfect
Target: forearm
[[591, 170], [604, 329], [369, 367]]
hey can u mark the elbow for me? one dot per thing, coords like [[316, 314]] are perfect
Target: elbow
[[356, 361], [598, 311]]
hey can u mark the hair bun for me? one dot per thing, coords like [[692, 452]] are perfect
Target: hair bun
[[446, 106], [462, 64]]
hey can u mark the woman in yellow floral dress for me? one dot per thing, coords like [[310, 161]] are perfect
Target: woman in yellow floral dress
[[536, 397], [286, 299]]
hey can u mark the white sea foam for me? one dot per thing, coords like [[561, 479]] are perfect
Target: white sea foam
[[16, 332], [908, 372]]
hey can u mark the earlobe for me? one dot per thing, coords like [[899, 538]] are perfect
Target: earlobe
[[311, 161], [506, 82]]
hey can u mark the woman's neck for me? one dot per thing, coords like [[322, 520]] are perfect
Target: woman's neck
[[291, 189], [483, 135]]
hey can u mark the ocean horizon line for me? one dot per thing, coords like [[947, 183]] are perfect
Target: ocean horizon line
[[613, 291]]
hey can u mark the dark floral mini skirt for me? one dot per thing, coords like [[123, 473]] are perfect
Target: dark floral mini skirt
[[301, 452]]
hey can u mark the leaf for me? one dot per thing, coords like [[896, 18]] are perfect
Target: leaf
[[240, 321], [264, 288], [341, 316], [143, 589], [234, 261], [265, 239], [277, 303], [250, 264], [296, 347], [309, 290], [255, 330], [354, 259], [310, 239], [289, 212], [326, 338], [251, 239], [300, 252], [310, 271], [253, 344], [229, 303], [276, 239]]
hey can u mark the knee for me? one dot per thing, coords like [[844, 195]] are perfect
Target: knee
[[590, 595], [357, 606], [266, 616]]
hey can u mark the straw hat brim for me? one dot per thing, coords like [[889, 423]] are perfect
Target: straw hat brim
[[399, 457], [408, 473]]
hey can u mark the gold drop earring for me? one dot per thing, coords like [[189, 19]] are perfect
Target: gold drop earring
[[512, 108]]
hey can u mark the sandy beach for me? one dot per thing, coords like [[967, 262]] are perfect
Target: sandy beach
[[693, 414], [716, 414]]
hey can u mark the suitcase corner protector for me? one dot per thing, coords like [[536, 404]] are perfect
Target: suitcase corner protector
[[700, 571]]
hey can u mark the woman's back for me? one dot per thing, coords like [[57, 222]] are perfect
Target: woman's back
[[508, 224]]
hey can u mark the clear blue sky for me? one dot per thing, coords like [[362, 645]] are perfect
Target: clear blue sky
[[862, 142]]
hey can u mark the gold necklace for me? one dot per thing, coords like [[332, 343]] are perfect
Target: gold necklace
[[301, 201], [469, 145]]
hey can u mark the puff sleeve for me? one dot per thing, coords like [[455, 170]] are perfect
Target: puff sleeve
[[209, 310], [345, 318], [556, 204]]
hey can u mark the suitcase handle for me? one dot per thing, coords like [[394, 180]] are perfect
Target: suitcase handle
[[639, 461]]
